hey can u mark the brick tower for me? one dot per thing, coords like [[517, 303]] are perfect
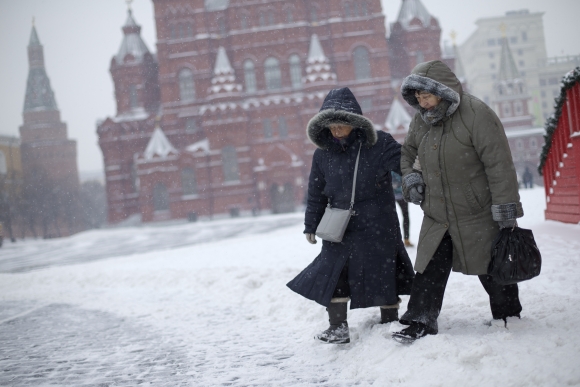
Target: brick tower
[[49, 158], [414, 38]]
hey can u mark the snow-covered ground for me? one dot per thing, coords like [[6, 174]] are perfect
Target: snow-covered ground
[[220, 299]]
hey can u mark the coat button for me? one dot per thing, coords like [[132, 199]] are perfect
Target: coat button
[[446, 225], [435, 146]]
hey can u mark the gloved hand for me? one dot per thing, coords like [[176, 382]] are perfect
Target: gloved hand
[[510, 223], [311, 238], [413, 188]]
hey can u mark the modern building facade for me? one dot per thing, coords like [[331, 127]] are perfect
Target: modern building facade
[[524, 30]]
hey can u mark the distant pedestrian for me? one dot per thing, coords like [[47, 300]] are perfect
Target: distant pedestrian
[[457, 165], [370, 267], [403, 205], [528, 178]]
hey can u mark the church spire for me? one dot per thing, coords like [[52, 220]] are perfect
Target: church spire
[[507, 65], [132, 44], [411, 10], [39, 95]]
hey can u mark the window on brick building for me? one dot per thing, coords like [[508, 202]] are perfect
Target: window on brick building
[[186, 86], [262, 18], [295, 71], [363, 9], [3, 166], [347, 10], [420, 57], [519, 145], [172, 31], [267, 126], [271, 18], [533, 143], [230, 164], [289, 15], [313, 14], [272, 74], [362, 66], [189, 30], [133, 100], [282, 127], [180, 31], [245, 20], [160, 197], [222, 26], [191, 125], [249, 76], [188, 183]]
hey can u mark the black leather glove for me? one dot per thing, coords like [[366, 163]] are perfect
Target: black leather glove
[[413, 188]]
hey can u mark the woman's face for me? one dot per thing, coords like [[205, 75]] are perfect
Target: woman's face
[[427, 100], [340, 131]]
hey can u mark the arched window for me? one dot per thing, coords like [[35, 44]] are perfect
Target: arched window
[[364, 10], [245, 20], [519, 108], [230, 164], [3, 166], [362, 66], [133, 100], [507, 110], [347, 10], [272, 73], [188, 183], [313, 14], [172, 32], [186, 86], [267, 126], [420, 57], [295, 71], [271, 18], [180, 31], [249, 76], [222, 26], [189, 29], [289, 15], [262, 18], [282, 127], [533, 143], [160, 197]]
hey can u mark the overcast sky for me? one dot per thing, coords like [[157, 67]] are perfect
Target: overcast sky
[[81, 36]]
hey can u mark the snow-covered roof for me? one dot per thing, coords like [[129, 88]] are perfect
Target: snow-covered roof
[[222, 63], [216, 5], [397, 117], [412, 9], [132, 43], [158, 145], [202, 145], [315, 53]]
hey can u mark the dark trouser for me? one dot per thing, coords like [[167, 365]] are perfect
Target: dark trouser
[[342, 287], [429, 287], [405, 210]]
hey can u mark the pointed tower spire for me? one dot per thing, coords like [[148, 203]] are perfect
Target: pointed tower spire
[[318, 67], [224, 80], [507, 65], [39, 94], [411, 10], [398, 119], [132, 47]]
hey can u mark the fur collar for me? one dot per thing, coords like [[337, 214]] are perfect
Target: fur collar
[[318, 132]]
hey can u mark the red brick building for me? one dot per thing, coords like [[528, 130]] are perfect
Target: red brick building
[[49, 159], [214, 123], [415, 38]]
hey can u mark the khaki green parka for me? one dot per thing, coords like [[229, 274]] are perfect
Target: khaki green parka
[[467, 167]]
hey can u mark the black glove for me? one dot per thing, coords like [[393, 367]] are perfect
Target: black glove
[[413, 188]]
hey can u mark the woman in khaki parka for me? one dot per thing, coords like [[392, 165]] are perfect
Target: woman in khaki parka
[[457, 164]]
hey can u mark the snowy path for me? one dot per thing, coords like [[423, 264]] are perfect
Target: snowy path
[[219, 314]]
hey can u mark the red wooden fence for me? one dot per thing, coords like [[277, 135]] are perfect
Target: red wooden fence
[[562, 166]]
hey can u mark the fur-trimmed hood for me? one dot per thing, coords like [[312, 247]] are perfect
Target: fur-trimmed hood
[[436, 78], [339, 106]]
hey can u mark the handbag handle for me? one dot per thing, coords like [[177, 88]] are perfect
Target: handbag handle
[[354, 178]]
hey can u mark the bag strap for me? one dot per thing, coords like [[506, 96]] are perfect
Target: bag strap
[[354, 178]]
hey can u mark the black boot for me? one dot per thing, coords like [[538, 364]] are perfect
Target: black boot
[[413, 332], [337, 332], [389, 315]]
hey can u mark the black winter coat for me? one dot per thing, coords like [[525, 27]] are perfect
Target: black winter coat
[[379, 267]]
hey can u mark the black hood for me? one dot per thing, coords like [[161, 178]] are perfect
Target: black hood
[[339, 106]]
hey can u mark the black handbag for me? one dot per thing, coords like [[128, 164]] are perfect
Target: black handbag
[[514, 256]]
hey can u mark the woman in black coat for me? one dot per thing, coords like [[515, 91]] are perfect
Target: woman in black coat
[[370, 267]]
